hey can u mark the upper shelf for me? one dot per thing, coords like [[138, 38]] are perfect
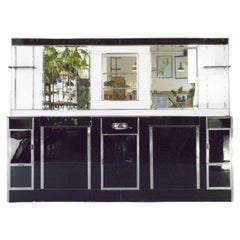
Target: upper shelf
[[216, 66], [16, 67]]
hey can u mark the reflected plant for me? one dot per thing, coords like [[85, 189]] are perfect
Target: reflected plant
[[66, 62]]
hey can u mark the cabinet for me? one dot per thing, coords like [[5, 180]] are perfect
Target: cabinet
[[174, 156], [151, 158], [21, 153], [65, 153], [218, 139]]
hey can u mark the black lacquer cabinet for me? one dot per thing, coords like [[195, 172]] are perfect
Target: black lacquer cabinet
[[119, 159]]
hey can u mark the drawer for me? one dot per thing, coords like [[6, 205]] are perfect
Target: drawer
[[219, 122], [66, 121], [20, 123], [177, 121], [117, 125]]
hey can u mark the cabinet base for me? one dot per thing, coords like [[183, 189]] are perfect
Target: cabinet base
[[120, 196]]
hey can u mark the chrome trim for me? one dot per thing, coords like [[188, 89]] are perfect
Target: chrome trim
[[151, 157], [119, 188], [89, 157], [20, 129], [207, 155], [218, 129], [33, 77], [101, 160], [119, 134], [173, 126], [42, 157], [120, 126], [20, 164], [198, 179], [32, 154], [138, 158]]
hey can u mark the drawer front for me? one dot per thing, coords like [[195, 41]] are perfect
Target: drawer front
[[66, 121], [20, 123], [117, 125], [169, 121]]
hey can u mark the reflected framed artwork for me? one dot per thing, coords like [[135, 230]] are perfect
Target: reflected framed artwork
[[164, 66], [181, 67]]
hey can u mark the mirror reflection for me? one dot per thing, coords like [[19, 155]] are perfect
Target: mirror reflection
[[119, 77]]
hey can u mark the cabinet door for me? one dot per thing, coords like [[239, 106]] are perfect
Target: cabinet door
[[174, 154], [21, 159], [120, 162], [219, 158], [65, 158]]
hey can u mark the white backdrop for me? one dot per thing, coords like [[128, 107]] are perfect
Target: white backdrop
[[99, 19]]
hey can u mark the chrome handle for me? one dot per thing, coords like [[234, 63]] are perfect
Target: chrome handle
[[120, 126]]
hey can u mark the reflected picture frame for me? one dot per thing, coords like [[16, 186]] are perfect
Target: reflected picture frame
[[181, 67], [164, 66]]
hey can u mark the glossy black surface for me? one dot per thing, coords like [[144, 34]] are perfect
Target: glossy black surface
[[120, 161], [124, 196], [174, 156], [117, 41], [219, 177], [65, 121], [65, 175], [20, 123], [219, 146], [20, 176], [20, 146], [65, 157], [166, 121], [219, 123]]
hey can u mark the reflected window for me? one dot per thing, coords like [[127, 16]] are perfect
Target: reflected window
[[173, 85], [20, 146], [219, 146], [120, 77], [66, 81]]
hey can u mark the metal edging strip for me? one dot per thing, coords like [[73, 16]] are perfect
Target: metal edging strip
[[42, 157], [89, 157], [151, 157]]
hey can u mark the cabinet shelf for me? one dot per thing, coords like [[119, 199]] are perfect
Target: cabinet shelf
[[22, 67], [209, 67]]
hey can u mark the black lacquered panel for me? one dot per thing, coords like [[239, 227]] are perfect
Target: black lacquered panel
[[174, 158], [126, 125], [20, 176], [219, 123], [66, 121], [120, 161], [65, 157], [219, 146], [219, 176], [20, 123], [162, 121]]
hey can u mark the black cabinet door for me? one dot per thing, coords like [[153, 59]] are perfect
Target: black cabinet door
[[120, 161], [65, 157], [174, 155]]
